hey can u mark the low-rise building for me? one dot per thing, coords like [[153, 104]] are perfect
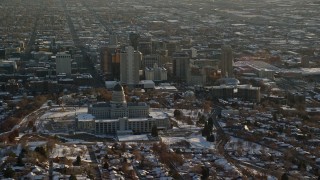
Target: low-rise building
[[248, 93], [8, 66], [244, 92]]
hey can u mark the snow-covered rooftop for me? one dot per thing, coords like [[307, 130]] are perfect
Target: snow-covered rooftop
[[142, 137], [85, 117]]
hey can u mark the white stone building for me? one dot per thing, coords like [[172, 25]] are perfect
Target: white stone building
[[120, 117]]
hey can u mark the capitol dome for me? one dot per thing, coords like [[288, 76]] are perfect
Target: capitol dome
[[117, 87], [118, 95]]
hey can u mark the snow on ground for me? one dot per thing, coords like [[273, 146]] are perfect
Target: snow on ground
[[72, 141], [34, 144], [71, 152], [170, 112], [226, 165], [222, 124], [253, 171], [186, 112], [158, 113], [183, 125], [172, 140], [271, 178], [189, 127], [196, 141], [250, 147], [18, 150], [191, 113], [200, 142], [142, 137], [58, 112]]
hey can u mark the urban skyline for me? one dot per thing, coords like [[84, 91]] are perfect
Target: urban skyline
[[159, 89]]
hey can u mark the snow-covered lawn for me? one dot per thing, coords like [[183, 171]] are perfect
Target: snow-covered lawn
[[250, 147], [196, 141], [71, 152], [67, 112], [225, 164], [200, 142], [185, 112], [142, 137]]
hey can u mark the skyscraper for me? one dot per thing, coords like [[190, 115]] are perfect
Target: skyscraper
[[110, 62], [180, 61], [150, 60], [113, 39], [145, 44], [116, 64], [63, 63], [134, 40], [129, 66], [226, 61], [106, 60]]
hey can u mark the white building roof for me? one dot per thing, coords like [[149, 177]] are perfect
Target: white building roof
[[110, 84], [137, 119], [146, 82], [85, 117], [166, 88], [107, 120]]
